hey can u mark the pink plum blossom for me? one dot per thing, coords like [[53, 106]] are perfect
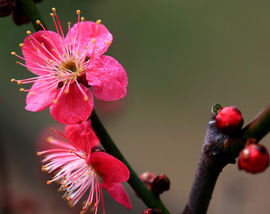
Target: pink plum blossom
[[66, 66], [80, 169]]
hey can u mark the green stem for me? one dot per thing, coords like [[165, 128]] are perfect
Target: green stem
[[148, 197], [32, 12]]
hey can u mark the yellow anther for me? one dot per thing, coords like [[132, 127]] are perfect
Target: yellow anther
[[82, 19], [22, 89], [49, 182], [85, 98], [98, 21], [55, 101], [108, 42], [21, 45], [28, 32], [38, 22], [51, 14], [59, 190], [42, 43], [94, 40], [66, 91], [50, 139], [82, 212], [53, 9], [78, 12], [17, 62], [31, 93], [70, 151], [38, 153], [19, 82], [13, 53], [69, 23], [43, 169], [13, 80]]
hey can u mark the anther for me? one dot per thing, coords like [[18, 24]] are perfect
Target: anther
[[19, 82], [49, 182], [69, 23], [94, 40], [66, 91], [31, 93], [50, 139], [78, 12], [53, 9], [13, 53], [55, 101], [22, 89], [51, 14], [98, 21], [17, 62], [38, 22], [21, 45], [28, 32], [38, 153], [108, 42], [70, 151], [85, 98], [13, 80], [82, 19]]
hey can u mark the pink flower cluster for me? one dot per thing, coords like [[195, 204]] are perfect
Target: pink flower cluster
[[66, 67]]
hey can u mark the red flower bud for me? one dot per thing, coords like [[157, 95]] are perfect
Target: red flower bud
[[147, 178], [254, 158], [152, 211], [160, 184], [229, 120]]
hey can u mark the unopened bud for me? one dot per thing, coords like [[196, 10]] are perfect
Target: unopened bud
[[152, 211], [254, 158], [147, 178], [160, 184]]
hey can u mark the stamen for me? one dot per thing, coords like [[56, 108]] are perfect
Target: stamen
[[98, 22], [108, 42], [13, 53], [82, 19], [12, 80], [22, 89], [21, 45], [28, 32], [38, 22], [54, 10]]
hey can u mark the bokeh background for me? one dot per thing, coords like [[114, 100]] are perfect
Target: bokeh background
[[180, 57]]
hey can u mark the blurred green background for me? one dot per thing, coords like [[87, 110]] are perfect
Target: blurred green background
[[180, 57]]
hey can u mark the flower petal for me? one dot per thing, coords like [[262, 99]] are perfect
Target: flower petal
[[39, 48], [118, 193], [72, 107], [40, 96], [81, 34], [108, 78], [82, 135], [111, 169]]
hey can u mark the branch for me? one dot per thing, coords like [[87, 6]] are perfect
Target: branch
[[219, 150]]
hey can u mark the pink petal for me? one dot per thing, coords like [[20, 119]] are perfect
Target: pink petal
[[118, 193], [82, 135], [84, 32], [107, 77], [111, 169], [40, 96], [71, 107], [39, 48]]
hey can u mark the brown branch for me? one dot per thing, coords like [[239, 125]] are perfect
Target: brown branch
[[219, 150]]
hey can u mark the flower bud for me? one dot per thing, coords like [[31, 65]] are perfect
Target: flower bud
[[254, 158], [229, 120], [160, 184], [147, 178], [152, 211]]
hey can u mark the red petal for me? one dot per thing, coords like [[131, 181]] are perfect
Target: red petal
[[107, 77], [84, 32], [40, 96], [111, 169], [118, 193], [71, 108], [39, 47], [82, 135]]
